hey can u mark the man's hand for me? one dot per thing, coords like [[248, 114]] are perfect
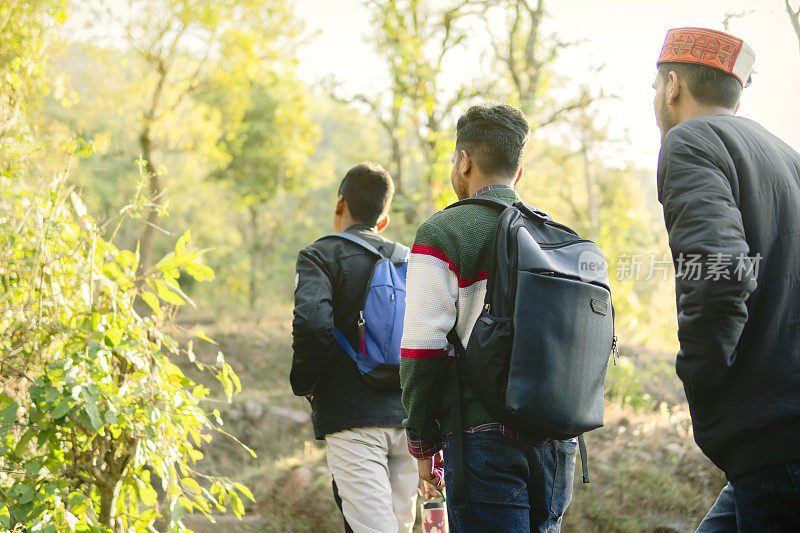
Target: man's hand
[[428, 491], [431, 470]]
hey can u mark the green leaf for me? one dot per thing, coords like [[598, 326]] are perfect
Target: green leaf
[[61, 408], [147, 495], [22, 493], [244, 490], [238, 506], [78, 502], [200, 272], [95, 422], [183, 242], [201, 335], [152, 300], [33, 468], [5, 517], [166, 294], [192, 485], [114, 336], [7, 417]]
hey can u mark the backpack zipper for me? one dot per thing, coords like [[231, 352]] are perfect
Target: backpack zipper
[[563, 244]]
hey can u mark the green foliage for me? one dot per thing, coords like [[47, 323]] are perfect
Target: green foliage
[[269, 150], [26, 29], [92, 404]]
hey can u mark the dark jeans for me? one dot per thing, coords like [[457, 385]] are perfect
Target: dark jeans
[[511, 486], [767, 500], [338, 500], [721, 518]]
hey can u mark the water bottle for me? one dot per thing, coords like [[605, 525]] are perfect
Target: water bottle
[[434, 517]]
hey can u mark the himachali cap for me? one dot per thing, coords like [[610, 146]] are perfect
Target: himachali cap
[[711, 48]]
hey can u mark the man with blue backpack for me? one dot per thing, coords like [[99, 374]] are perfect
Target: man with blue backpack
[[347, 327]]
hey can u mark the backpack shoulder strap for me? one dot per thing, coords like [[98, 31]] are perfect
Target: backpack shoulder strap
[[400, 254], [490, 201], [495, 202]]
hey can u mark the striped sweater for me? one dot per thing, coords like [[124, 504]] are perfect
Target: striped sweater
[[446, 286]]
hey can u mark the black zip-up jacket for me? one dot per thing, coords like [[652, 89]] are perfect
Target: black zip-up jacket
[[730, 188], [332, 278]]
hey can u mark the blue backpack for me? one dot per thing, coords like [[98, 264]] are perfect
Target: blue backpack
[[380, 324]]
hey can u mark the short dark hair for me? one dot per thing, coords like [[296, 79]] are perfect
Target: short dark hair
[[708, 85], [495, 136], [368, 189]]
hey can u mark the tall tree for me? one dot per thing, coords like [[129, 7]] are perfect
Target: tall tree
[[180, 44], [269, 155], [527, 55], [416, 38]]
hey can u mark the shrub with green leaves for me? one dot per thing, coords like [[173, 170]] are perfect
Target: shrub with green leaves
[[99, 428]]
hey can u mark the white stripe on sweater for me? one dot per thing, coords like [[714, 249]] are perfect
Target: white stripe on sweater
[[434, 301]]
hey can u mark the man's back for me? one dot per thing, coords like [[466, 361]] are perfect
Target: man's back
[[753, 417], [333, 275], [452, 248]]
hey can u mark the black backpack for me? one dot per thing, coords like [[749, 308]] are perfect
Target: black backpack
[[538, 353]]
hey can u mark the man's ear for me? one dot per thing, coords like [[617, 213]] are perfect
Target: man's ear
[[673, 88], [340, 205], [465, 163], [519, 176], [382, 223]]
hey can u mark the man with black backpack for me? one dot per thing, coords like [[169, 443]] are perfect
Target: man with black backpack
[[502, 472], [349, 301]]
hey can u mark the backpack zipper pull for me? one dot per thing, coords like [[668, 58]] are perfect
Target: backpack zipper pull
[[362, 338], [614, 350]]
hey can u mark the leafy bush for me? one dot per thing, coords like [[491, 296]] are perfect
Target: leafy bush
[[99, 429]]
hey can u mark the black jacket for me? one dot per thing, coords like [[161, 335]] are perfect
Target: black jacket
[[731, 189], [332, 278]]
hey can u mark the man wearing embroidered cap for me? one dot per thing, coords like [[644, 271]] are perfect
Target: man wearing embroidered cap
[[731, 197]]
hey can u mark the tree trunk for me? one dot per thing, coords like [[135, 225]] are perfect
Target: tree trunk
[[156, 186], [255, 259], [397, 164], [156, 191], [109, 493], [590, 185]]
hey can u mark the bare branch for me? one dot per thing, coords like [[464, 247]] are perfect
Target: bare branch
[[794, 17]]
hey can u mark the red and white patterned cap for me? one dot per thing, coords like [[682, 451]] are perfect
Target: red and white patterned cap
[[712, 48]]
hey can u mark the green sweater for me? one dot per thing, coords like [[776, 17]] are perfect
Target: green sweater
[[446, 286]]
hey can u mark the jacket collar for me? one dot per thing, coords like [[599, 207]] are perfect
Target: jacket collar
[[356, 228]]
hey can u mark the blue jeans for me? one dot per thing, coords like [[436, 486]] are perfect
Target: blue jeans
[[721, 518], [511, 486], [766, 500]]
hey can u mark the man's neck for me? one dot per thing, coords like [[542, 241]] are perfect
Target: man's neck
[[359, 225], [493, 183], [699, 110]]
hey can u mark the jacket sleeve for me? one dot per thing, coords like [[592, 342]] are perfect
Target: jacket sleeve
[[432, 292], [707, 239], [312, 325]]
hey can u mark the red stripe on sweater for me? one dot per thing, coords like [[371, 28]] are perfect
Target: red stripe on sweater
[[433, 252], [410, 353], [438, 254], [473, 280]]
